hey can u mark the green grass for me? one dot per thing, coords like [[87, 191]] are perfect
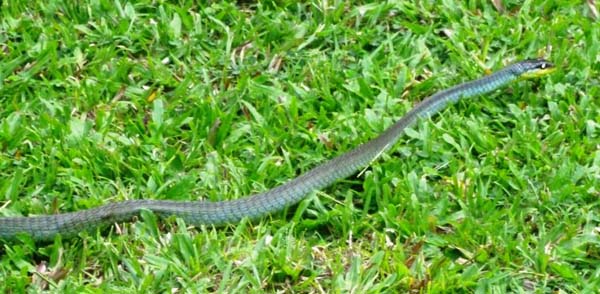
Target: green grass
[[107, 101]]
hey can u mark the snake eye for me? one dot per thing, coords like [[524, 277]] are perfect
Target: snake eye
[[545, 65]]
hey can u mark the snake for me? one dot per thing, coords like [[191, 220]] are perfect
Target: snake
[[218, 213]]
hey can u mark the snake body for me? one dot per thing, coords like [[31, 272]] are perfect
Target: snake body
[[46, 227]]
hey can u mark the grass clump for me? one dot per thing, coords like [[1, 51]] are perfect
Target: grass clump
[[106, 101]]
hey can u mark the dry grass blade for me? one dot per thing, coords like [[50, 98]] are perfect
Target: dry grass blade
[[593, 9], [498, 5]]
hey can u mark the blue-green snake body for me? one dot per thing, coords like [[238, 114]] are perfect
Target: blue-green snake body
[[46, 227]]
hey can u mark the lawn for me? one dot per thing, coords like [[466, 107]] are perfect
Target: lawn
[[104, 101]]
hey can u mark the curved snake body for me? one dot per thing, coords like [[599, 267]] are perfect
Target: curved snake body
[[46, 227]]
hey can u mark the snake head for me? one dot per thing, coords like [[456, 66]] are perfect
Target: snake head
[[533, 68]]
